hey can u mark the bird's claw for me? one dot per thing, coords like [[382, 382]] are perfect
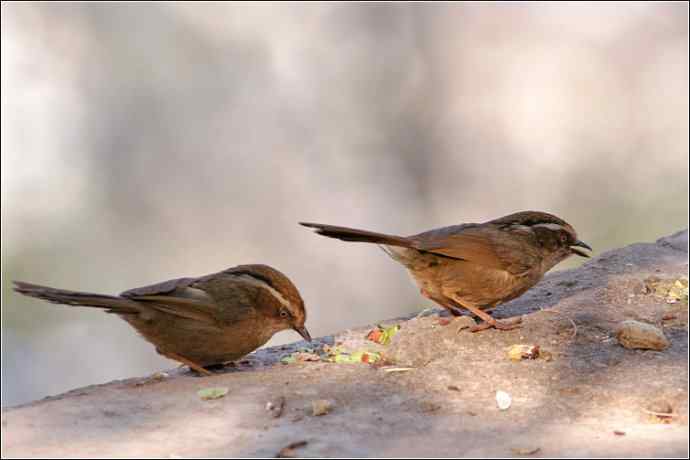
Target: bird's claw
[[501, 325]]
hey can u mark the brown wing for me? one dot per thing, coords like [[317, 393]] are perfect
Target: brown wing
[[177, 297], [165, 287], [480, 244]]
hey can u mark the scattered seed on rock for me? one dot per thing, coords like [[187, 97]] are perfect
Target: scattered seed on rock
[[321, 406], [276, 407], [390, 370], [637, 335], [524, 450], [428, 406], [660, 407], [659, 411], [157, 377], [520, 352]]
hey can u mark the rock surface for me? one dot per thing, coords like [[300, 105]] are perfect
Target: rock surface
[[410, 346], [591, 398]]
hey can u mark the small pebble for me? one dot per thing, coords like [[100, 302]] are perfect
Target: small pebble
[[637, 335], [503, 400]]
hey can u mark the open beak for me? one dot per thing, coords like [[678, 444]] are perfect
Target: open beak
[[581, 244], [303, 332]]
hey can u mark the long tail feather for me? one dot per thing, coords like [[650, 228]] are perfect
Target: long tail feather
[[83, 299], [361, 236]]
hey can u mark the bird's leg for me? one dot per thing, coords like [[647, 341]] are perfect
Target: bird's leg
[[190, 364], [489, 321]]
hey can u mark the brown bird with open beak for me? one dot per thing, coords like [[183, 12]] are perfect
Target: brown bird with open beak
[[476, 266], [201, 321]]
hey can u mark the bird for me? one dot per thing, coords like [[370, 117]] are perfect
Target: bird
[[204, 321], [476, 266]]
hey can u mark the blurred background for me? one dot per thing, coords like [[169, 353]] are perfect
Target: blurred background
[[142, 142]]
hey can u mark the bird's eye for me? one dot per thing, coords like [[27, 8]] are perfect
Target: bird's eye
[[564, 237], [284, 313]]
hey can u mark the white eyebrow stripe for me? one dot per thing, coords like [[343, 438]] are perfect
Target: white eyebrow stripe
[[249, 279], [522, 229], [554, 227]]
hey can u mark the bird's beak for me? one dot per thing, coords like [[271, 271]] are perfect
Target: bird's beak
[[581, 244], [303, 332]]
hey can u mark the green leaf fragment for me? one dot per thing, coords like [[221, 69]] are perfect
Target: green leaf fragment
[[288, 359], [357, 357], [336, 354], [212, 393], [304, 355], [383, 335], [388, 334]]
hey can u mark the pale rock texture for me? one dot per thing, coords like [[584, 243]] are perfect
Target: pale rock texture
[[570, 405]]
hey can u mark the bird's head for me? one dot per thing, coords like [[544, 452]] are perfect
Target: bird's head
[[279, 300], [556, 238]]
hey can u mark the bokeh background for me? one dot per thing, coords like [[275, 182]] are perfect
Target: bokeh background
[[142, 142]]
